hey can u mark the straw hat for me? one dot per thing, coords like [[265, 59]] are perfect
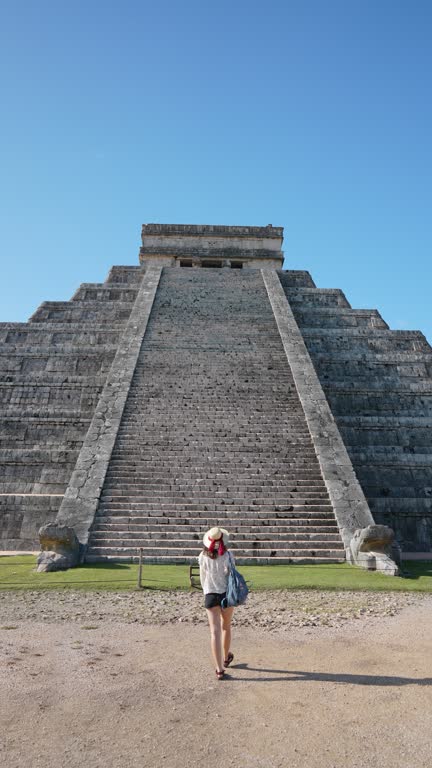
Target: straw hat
[[214, 534]]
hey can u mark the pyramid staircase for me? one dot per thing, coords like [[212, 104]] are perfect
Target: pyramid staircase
[[213, 433]]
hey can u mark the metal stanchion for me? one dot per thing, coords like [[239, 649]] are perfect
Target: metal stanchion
[[139, 585]]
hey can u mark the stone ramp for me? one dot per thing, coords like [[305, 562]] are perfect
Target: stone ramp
[[213, 432], [378, 383]]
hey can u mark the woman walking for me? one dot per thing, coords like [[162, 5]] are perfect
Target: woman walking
[[214, 569]]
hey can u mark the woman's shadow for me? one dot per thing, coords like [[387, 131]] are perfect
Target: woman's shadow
[[293, 675]]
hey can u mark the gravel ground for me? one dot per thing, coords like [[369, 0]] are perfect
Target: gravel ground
[[115, 680], [271, 610]]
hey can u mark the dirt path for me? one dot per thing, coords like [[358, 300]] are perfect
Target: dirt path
[[88, 684]]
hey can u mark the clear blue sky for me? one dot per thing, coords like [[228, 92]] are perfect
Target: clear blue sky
[[315, 115]]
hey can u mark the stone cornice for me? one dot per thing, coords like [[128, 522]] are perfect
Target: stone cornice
[[223, 252], [212, 230]]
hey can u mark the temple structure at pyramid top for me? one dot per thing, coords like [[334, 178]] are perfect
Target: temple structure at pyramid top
[[208, 386], [195, 245]]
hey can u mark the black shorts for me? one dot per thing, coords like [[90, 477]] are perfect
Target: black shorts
[[213, 599]]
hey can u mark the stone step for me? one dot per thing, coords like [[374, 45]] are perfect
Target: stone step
[[125, 276], [215, 480], [68, 348], [77, 309], [242, 539], [89, 301], [26, 327], [319, 297], [146, 470], [338, 317], [47, 421], [222, 481], [240, 453], [65, 344], [176, 441], [238, 460], [216, 477], [56, 356], [247, 411], [210, 402], [339, 357], [81, 402], [45, 413], [211, 427], [228, 493], [359, 333], [36, 365], [172, 559], [193, 465], [194, 479], [403, 505], [394, 384], [116, 511], [400, 491], [105, 293], [364, 421], [378, 403], [346, 370], [194, 550], [293, 525], [397, 453], [295, 278], [186, 455], [138, 502], [179, 444], [200, 497], [56, 486], [208, 488], [177, 390], [177, 507], [389, 476], [388, 458], [37, 455], [408, 439], [379, 386], [25, 441], [323, 341], [162, 435], [49, 380]]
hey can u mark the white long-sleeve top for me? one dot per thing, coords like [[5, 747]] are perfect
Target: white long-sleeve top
[[214, 573]]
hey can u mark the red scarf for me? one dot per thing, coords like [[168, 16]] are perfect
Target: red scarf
[[221, 548]]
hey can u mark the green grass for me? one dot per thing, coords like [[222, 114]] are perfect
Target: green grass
[[18, 573]]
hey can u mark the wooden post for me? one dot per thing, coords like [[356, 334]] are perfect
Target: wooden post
[[140, 568]]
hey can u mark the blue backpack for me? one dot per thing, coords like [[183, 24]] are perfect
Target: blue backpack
[[237, 589]]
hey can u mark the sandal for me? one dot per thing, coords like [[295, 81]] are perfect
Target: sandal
[[220, 674], [229, 659]]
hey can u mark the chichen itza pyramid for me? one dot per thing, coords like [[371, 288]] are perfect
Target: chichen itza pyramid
[[209, 386]]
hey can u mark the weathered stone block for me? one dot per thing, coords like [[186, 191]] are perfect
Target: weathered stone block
[[60, 548], [372, 548]]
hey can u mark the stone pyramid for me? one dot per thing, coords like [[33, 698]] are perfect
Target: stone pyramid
[[209, 386]]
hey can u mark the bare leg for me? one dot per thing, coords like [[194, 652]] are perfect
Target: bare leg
[[215, 624], [226, 616]]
